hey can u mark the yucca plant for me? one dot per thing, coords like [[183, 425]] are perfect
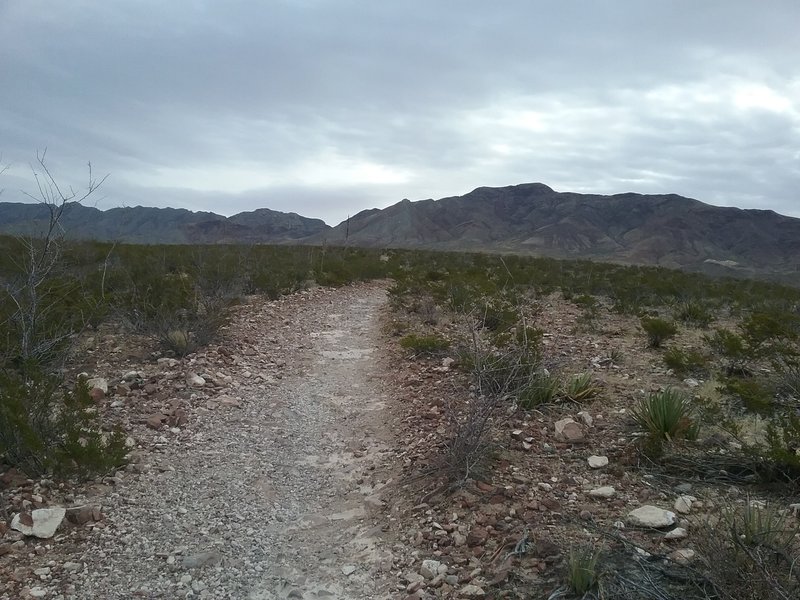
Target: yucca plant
[[582, 572], [666, 415], [580, 387]]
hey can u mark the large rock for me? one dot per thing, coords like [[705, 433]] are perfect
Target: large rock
[[598, 462], [41, 523], [651, 516], [567, 430]]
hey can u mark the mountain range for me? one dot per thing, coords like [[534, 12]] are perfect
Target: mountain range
[[666, 230]]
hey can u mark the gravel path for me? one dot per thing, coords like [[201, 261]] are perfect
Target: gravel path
[[279, 498]]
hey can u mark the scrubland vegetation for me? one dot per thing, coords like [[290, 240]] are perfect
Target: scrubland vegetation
[[748, 348]]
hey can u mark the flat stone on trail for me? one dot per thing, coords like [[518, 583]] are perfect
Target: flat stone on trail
[[567, 430], [651, 516], [201, 559], [348, 570], [194, 380], [598, 462], [97, 383], [44, 522], [605, 491], [676, 534]]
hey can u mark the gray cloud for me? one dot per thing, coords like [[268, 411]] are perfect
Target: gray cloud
[[326, 108]]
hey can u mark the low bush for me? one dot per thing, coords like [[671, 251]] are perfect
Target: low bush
[[657, 330], [685, 361], [424, 344], [45, 429]]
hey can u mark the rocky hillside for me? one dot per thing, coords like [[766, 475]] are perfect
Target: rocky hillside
[[666, 230], [146, 225]]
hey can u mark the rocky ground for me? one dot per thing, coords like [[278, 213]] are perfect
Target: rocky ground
[[285, 461]]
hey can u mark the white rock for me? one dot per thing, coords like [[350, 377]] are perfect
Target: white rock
[[683, 504], [194, 380], [471, 591], [37, 592], [676, 534], [132, 375], [586, 418], [651, 516], [429, 568], [348, 569], [45, 522], [598, 462], [691, 382], [605, 491]]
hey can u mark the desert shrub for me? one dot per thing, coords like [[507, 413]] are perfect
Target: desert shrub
[[44, 428], [657, 330], [424, 344], [685, 361], [755, 394], [580, 388], [666, 415], [750, 554], [780, 451], [694, 312], [733, 348]]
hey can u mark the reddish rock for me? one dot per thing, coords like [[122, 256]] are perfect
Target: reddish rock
[[97, 394], [477, 537], [155, 421]]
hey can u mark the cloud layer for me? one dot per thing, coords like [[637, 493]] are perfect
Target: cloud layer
[[328, 107]]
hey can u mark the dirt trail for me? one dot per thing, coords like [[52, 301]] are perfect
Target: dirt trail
[[277, 499]]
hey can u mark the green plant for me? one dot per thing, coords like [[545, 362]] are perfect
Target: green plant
[[731, 346], [582, 572], [541, 387], [657, 330], [580, 387], [424, 344], [685, 361], [756, 394], [46, 429], [666, 415], [695, 312]]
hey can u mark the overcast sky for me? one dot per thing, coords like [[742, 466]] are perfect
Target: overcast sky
[[327, 107]]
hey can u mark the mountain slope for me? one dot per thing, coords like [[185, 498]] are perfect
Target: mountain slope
[[666, 230]]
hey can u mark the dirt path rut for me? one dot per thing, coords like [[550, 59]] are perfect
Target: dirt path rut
[[279, 498]]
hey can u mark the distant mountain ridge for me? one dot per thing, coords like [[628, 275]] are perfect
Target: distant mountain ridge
[[664, 229], [145, 225]]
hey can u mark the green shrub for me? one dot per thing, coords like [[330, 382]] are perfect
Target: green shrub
[[781, 449], [756, 395], [666, 415], [732, 347], [657, 330], [44, 429], [424, 344], [685, 361], [694, 312]]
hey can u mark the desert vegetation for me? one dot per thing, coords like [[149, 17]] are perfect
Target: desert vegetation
[[488, 319]]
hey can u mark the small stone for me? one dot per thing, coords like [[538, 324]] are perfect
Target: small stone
[[691, 382], [429, 568], [683, 504], [605, 491], [568, 430], [348, 570], [194, 380], [682, 556], [651, 516], [598, 462], [586, 418], [471, 591], [156, 421], [201, 559], [37, 592], [683, 488], [676, 534], [43, 522]]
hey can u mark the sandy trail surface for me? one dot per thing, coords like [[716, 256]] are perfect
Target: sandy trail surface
[[279, 497]]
